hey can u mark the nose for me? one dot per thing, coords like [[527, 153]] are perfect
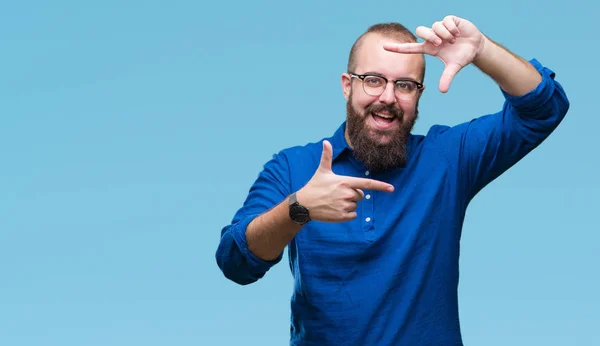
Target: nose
[[388, 96]]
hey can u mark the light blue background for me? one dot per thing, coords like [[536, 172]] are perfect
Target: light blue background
[[131, 131]]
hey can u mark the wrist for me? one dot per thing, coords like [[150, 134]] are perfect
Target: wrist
[[303, 197], [484, 52], [298, 211]]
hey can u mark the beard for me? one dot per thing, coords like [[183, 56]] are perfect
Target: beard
[[375, 155]]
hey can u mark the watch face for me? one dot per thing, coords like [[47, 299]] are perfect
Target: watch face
[[299, 214]]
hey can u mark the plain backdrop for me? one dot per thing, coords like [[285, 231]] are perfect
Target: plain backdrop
[[131, 132]]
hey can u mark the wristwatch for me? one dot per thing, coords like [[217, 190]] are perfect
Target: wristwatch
[[298, 213]]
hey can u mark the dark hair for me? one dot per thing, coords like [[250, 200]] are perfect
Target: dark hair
[[395, 31]]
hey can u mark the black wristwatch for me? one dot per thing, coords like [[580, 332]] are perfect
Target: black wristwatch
[[298, 213]]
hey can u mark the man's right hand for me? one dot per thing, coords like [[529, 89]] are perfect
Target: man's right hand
[[333, 198]]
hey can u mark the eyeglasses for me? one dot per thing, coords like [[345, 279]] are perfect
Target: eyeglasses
[[374, 85]]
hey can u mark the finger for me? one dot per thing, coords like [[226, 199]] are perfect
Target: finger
[[451, 23], [428, 35], [368, 184], [410, 47], [355, 195], [440, 30], [447, 76], [350, 216], [350, 207], [359, 194], [326, 156]]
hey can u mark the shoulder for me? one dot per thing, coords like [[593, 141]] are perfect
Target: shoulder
[[296, 154], [432, 136], [303, 150], [437, 130], [438, 142], [297, 163], [302, 155]]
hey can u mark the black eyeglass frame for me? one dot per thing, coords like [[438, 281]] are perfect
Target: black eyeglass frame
[[363, 76]]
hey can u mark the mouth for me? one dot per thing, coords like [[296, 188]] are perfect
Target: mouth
[[383, 120]]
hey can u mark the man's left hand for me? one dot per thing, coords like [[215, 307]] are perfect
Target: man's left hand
[[455, 41]]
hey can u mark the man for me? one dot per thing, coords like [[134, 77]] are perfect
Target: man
[[372, 216]]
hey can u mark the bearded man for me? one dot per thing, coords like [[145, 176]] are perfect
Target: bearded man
[[372, 215]]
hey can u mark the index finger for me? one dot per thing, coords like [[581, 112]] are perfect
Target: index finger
[[408, 47], [368, 184]]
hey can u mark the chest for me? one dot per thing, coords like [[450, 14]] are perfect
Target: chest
[[422, 214]]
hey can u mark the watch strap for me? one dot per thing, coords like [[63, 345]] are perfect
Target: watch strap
[[293, 198], [298, 213]]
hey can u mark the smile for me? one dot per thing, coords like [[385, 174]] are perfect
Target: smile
[[382, 120]]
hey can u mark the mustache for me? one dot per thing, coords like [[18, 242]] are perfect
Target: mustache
[[396, 112]]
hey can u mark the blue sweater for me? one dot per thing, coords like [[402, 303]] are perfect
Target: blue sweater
[[390, 276]]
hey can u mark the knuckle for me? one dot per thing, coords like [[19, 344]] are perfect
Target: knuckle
[[350, 195], [347, 207], [342, 185]]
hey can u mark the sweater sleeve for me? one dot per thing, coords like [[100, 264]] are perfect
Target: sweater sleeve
[[486, 147], [233, 257]]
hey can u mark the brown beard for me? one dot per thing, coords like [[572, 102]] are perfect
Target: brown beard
[[378, 157]]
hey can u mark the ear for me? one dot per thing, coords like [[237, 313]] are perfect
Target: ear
[[421, 92], [346, 85]]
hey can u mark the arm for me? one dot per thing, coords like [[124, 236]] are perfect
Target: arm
[[534, 102], [328, 197], [262, 228], [491, 144], [235, 254], [512, 73], [269, 234]]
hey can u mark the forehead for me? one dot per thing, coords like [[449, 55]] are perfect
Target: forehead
[[372, 57]]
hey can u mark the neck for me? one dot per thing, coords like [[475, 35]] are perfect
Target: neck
[[347, 137]]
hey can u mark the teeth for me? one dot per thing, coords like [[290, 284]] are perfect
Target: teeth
[[384, 115]]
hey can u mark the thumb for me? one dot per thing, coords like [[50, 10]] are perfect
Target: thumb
[[326, 157], [448, 75]]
